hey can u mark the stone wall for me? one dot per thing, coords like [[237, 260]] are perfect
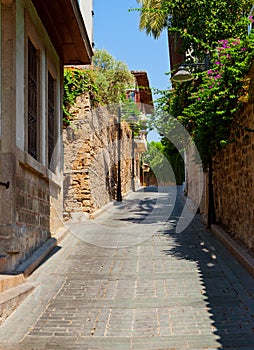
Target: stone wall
[[195, 179], [91, 159], [233, 179], [234, 182], [29, 214], [32, 211]]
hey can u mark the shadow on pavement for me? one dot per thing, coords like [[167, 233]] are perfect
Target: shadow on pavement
[[139, 210], [227, 288]]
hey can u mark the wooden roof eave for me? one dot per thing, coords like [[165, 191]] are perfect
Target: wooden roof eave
[[65, 26]]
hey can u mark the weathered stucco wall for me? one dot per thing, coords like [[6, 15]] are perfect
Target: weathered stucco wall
[[91, 159]]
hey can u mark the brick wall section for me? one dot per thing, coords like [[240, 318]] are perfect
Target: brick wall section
[[29, 223], [33, 204], [32, 210], [90, 155]]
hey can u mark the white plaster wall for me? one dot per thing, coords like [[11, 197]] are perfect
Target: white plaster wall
[[86, 7]]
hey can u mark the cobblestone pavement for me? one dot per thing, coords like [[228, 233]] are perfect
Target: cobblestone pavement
[[170, 291]]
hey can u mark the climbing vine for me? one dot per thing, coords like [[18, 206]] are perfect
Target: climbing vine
[[215, 98], [208, 105], [76, 82], [106, 81]]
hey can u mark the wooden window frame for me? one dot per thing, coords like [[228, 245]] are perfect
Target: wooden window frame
[[51, 121], [33, 100]]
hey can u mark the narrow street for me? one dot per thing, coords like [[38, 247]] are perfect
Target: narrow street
[[127, 280]]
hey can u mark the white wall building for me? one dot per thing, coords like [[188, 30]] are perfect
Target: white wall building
[[86, 7]]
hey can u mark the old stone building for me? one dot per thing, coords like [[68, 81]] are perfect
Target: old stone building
[[91, 159], [37, 39], [92, 149]]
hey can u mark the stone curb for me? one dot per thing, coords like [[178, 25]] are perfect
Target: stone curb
[[235, 249], [13, 287], [11, 298], [9, 281], [28, 266]]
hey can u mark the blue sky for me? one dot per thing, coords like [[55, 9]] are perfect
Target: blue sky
[[117, 30]]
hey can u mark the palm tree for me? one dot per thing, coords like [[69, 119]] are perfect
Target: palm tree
[[153, 17]]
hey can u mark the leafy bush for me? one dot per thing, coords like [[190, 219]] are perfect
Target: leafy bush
[[106, 81]]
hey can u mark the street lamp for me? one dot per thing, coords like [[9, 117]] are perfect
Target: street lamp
[[182, 76]]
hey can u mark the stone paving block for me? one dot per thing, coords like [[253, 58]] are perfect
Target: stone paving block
[[172, 291]]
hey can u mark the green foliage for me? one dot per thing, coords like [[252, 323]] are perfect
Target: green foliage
[[106, 82], [112, 78], [200, 23], [207, 106], [132, 115], [153, 16], [159, 155], [214, 99], [76, 82]]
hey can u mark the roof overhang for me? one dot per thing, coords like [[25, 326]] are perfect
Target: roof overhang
[[66, 29], [144, 89]]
